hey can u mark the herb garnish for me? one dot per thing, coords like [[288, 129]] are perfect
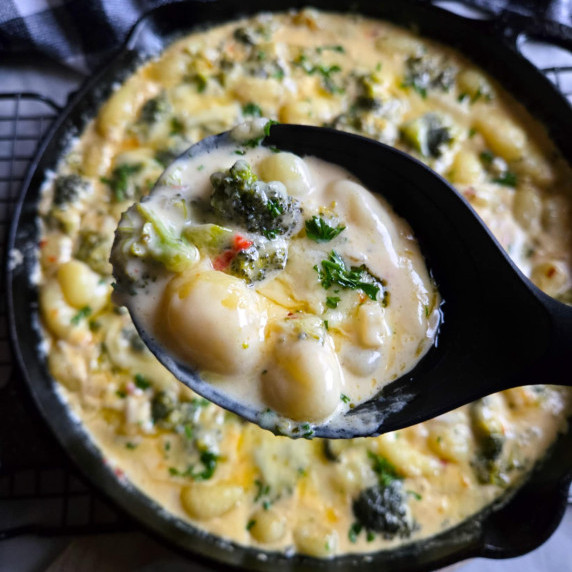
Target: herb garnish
[[507, 179], [385, 470], [354, 531], [251, 109], [486, 157], [141, 381], [209, 461], [332, 301], [319, 230], [334, 271], [81, 315]]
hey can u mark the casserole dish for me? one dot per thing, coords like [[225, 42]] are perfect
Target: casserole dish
[[144, 40]]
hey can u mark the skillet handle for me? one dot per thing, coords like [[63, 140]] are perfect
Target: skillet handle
[[526, 521], [548, 21]]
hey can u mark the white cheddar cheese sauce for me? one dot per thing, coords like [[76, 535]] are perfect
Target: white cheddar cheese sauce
[[206, 466], [305, 320]]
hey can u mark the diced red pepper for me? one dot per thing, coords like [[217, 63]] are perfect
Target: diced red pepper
[[222, 261], [241, 243]]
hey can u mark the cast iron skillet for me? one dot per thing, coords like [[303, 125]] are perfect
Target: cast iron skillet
[[518, 523]]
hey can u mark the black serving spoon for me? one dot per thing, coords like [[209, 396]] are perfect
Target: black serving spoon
[[498, 330]]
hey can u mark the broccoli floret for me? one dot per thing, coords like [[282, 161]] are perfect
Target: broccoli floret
[[120, 181], [488, 463], [93, 249], [160, 243], [170, 413], [260, 207], [423, 73], [68, 189], [383, 508], [252, 35], [254, 263], [154, 110], [166, 156], [153, 240], [426, 134]]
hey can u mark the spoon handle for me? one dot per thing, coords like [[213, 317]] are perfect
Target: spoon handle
[[556, 365]]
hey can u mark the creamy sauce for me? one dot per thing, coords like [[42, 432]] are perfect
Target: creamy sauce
[[288, 341], [205, 466]]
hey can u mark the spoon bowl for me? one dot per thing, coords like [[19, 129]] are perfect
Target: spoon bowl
[[497, 331]]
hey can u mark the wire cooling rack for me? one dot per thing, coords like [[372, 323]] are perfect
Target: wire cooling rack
[[40, 492]]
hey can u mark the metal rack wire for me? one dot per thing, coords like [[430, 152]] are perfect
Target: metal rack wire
[[40, 492], [36, 479]]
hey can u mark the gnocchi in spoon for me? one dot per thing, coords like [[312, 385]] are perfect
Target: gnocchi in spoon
[[275, 285]]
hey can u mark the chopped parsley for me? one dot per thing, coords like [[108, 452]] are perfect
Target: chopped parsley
[[141, 381], [332, 301], [323, 70], [262, 490], [337, 48], [255, 141], [319, 230], [386, 472], [208, 460], [129, 445], [177, 126], [345, 398], [308, 431], [82, 314], [334, 271], [251, 109], [487, 157], [354, 531], [415, 495], [188, 431], [275, 208], [507, 179], [250, 524]]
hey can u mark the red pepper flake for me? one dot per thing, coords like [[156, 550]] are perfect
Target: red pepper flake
[[551, 272], [119, 473], [241, 243], [470, 194], [222, 261], [42, 243]]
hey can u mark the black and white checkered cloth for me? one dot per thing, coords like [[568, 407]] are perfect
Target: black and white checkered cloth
[[83, 33]]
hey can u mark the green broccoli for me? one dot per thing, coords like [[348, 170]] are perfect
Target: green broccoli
[[383, 508], [423, 73], [260, 207], [121, 183], [68, 189], [253, 263], [160, 243], [93, 248], [488, 463], [154, 109], [426, 134]]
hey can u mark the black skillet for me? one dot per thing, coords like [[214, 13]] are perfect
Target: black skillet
[[518, 523]]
